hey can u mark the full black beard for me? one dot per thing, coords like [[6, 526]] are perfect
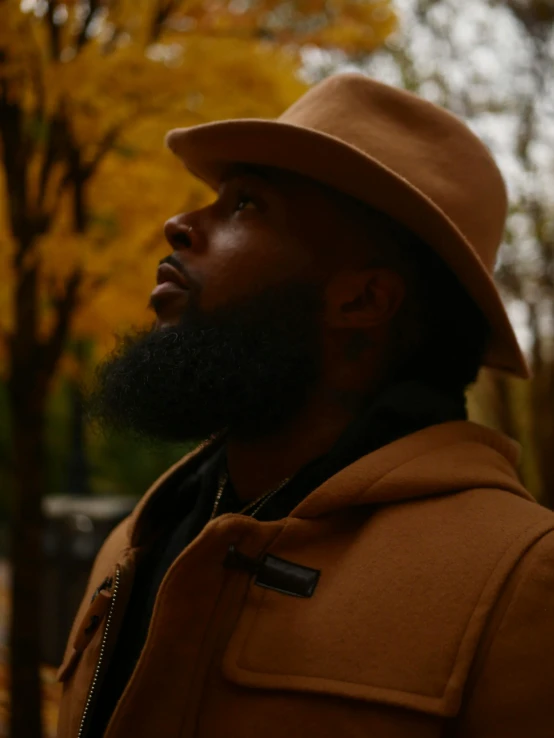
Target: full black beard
[[247, 368]]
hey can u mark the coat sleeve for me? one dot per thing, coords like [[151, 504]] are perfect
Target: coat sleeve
[[510, 691]]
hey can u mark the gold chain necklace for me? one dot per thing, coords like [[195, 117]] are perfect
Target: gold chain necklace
[[257, 504]]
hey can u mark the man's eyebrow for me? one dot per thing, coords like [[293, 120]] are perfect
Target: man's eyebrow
[[252, 172]]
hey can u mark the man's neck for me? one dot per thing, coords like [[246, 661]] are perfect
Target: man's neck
[[259, 465]]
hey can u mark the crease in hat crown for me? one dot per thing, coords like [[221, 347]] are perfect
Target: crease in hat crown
[[398, 153]]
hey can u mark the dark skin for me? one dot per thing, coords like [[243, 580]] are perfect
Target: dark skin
[[267, 226]]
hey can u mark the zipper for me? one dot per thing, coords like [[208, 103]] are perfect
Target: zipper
[[94, 682]]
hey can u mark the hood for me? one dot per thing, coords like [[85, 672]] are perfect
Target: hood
[[442, 459]]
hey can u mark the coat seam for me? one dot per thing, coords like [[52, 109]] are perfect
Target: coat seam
[[513, 570], [416, 456]]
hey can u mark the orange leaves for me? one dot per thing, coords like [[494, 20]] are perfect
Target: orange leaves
[[99, 91], [351, 25], [356, 26]]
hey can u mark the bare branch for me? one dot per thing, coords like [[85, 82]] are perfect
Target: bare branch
[[161, 13], [104, 147], [15, 160], [51, 350], [55, 150], [82, 38], [53, 29]]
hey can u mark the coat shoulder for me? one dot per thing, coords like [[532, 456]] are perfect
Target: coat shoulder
[[509, 688]]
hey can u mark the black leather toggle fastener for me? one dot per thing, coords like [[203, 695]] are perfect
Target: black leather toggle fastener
[[275, 573]]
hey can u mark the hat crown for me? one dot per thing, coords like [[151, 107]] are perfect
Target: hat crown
[[426, 145]]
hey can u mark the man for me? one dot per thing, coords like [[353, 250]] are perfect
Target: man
[[346, 555]]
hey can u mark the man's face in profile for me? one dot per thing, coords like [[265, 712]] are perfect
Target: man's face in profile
[[236, 343]]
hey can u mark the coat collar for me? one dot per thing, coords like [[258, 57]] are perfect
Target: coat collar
[[441, 459]]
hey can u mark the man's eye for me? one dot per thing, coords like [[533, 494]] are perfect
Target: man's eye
[[244, 201]]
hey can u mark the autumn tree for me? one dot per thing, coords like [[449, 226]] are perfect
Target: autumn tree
[[87, 90]]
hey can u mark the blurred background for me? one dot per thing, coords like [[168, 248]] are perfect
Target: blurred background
[[88, 89]]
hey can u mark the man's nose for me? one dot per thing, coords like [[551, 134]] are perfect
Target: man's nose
[[178, 233]]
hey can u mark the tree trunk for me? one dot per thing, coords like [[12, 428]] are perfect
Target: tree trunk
[[32, 364], [27, 426], [27, 388]]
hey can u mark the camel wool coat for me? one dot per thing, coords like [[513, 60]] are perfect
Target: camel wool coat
[[409, 596]]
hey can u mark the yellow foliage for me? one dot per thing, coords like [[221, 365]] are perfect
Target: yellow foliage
[[109, 87]]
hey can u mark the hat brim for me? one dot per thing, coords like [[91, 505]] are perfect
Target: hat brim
[[207, 151]]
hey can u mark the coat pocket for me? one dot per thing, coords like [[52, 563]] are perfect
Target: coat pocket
[[357, 638], [282, 643], [400, 626]]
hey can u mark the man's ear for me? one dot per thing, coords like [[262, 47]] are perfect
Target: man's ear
[[363, 299]]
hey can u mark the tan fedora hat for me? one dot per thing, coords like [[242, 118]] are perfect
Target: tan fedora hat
[[395, 151]]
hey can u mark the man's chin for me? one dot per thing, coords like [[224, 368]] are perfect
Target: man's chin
[[170, 309]]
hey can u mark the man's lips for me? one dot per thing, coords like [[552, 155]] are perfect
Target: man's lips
[[169, 280], [168, 273]]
